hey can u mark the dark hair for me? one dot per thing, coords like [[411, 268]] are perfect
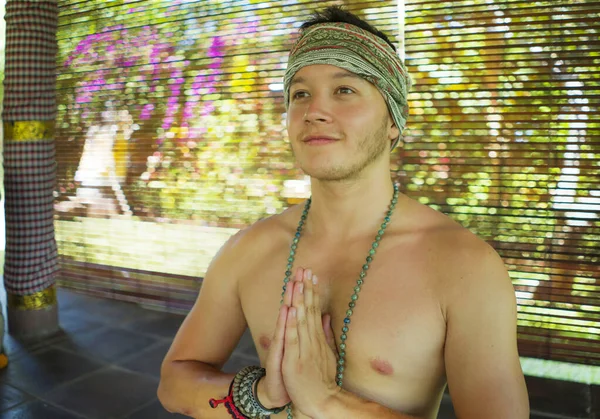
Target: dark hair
[[333, 14]]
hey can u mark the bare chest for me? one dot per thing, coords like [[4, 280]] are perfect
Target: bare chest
[[394, 349]]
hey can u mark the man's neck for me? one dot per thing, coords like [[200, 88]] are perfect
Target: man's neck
[[343, 210]]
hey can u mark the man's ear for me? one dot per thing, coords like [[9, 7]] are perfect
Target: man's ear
[[393, 131]]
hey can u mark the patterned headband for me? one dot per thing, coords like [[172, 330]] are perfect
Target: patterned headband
[[360, 52]]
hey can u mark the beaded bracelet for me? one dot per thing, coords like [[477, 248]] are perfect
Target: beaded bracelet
[[244, 393], [229, 404], [242, 401], [275, 411]]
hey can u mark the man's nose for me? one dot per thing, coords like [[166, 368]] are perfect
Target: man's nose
[[318, 109]]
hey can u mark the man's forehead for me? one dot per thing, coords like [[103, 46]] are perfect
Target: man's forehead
[[338, 73]]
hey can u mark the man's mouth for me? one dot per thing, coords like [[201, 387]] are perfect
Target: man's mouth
[[318, 139]]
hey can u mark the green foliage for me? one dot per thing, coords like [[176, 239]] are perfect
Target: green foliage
[[503, 137], [208, 141]]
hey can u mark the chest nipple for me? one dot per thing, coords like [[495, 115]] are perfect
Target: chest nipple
[[264, 342], [381, 366]]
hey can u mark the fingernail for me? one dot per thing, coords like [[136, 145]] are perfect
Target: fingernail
[[307, 274], [301, 288], [315, 279]]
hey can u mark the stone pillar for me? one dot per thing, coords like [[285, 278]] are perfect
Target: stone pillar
[[29, 115]]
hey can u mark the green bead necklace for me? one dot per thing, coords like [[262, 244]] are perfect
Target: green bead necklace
[[357, 288]]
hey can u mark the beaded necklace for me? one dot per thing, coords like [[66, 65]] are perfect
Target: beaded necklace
[[357, 288]]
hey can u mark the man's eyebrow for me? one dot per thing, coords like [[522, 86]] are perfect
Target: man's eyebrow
[[336, 76]]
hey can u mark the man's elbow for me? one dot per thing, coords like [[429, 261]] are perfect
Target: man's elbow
[[164, 391], [168, 401], [162, 397]]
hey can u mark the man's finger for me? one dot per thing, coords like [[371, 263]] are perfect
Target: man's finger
[[308, 288], [291, 348], [301, 316], [289, 292], [299, 275], [313, 319], [276, 349], [316, 306]]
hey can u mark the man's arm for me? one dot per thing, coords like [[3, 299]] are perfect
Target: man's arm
[[190, 372], [485, 379], [349, 405]]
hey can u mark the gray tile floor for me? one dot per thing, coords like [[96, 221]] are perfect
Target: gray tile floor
[[104, 365]]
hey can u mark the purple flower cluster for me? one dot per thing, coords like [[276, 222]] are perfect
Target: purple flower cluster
[[204, 84], [144, 57]]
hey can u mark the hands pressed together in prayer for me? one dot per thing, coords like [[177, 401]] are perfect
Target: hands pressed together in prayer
[[302, 360]]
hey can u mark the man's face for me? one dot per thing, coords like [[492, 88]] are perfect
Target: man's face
[[329, 101]]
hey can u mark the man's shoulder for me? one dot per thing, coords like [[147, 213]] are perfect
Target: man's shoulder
[[468, 267], [264, 233], [460, 255], [461, 244], [247, 247], [448, 239], [434, 230]]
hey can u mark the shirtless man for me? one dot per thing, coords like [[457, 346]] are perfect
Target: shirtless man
[[436, 304]]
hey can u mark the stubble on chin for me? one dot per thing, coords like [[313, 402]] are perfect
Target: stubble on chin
[[368, 151]]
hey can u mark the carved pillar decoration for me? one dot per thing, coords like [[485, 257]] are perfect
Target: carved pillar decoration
[[29, 115]]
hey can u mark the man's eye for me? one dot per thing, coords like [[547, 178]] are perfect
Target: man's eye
[[345, 90], [298, 95]]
